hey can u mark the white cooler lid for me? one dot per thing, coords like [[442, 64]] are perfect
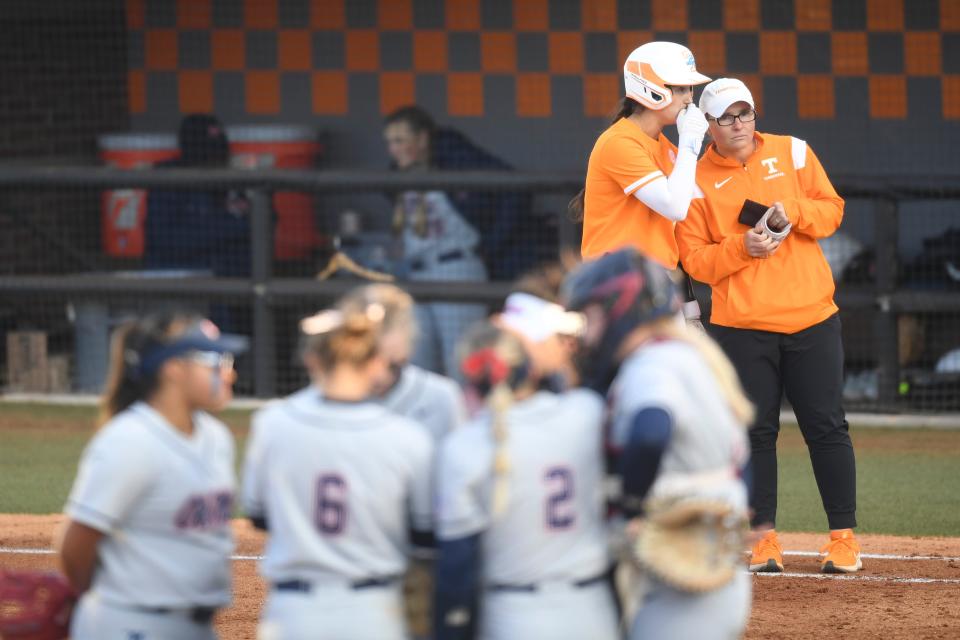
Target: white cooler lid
[[271, 133], [122, 141]]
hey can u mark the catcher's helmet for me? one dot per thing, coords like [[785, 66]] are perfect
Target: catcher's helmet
[[631, 290], [650, 68]]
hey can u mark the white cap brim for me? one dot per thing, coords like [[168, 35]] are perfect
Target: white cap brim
[[714, 104], [537, 320], [717, 107]]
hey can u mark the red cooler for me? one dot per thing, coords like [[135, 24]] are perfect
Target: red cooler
[[124, 211], [282, 147]]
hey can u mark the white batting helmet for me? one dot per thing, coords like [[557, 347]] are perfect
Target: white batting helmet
[[650, 68]]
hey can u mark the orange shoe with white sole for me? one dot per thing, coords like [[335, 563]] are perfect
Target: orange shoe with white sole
[[767, 556], [842, 553]]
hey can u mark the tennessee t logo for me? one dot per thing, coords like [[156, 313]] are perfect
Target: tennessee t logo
[[770, 164]]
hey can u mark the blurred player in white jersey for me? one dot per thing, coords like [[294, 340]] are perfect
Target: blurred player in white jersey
[[432, 400], [520, 507], [147, 539], [679, 421], [426, 397], [548, 333], [343, 486]]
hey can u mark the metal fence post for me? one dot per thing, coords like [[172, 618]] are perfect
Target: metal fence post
[[886, 223], [263, 348]]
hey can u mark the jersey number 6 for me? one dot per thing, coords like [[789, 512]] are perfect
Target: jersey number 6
[[559, 507], [330, 515]]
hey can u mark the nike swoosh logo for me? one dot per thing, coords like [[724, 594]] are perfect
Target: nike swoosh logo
[[722, 182]]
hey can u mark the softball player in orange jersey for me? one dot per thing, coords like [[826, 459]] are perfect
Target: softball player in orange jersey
[[639, 184]]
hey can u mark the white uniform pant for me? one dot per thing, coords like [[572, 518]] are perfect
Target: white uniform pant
[[441, 324], [94, 619], [559, 611], [334, 613], [669, 614]]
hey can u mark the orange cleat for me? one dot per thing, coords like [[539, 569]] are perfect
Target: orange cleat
[[767, 556], [842, 553]]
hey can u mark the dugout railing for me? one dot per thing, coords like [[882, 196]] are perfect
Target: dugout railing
[[883, 299]]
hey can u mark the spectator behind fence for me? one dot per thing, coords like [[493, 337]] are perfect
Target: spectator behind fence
[[416, 142], [441, 232], [205, 230], [200, 230]]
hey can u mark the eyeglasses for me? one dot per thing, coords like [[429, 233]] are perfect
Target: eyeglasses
[[728, 119], [211, 359]]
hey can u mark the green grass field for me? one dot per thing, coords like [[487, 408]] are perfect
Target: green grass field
[[908, 480]]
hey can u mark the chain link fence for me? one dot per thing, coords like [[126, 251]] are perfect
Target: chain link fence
[[894, 260], [245, 208]]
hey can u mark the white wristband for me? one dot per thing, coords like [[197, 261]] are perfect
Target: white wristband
[[690, 142], [776, 235]]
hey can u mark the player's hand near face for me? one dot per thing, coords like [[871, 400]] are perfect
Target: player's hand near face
[[691, 128], [758, 244]]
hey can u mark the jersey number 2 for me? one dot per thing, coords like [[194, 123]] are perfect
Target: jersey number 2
[[559, 507], [330, 515]]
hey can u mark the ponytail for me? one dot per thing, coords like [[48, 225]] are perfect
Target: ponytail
[[500, 401], [627, 107], [718, 363], [126, 383], [397, 305], [576, 205], [348, 336], [496, 366]]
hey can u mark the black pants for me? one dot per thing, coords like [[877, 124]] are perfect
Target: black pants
[[808, 366]]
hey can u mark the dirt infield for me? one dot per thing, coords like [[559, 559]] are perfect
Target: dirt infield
[[911, 592]]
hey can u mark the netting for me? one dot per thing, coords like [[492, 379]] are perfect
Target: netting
[[512, 86]]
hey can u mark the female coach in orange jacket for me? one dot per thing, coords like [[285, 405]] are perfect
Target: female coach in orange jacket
[[773, 309], [638, 183]]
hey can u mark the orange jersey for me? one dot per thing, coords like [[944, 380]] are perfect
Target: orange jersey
[[790, 290], [623, 160]]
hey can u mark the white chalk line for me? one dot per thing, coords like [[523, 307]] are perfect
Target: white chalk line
[[815, 576], [877, 556], [810, 554], [872, 556], [860, 578], [48, 552]]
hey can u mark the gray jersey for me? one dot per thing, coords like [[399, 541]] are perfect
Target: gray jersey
[[429, 399], [340, 484], [433, 226], [708, 446], [163, 501], [552, 527]]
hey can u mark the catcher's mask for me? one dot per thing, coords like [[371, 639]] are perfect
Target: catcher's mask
[[630, 291]]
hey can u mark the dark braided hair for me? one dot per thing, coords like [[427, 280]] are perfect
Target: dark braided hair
[[126, 384], [628, 107]]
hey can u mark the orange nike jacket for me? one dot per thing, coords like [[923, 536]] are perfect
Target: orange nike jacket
[[790, 290]]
